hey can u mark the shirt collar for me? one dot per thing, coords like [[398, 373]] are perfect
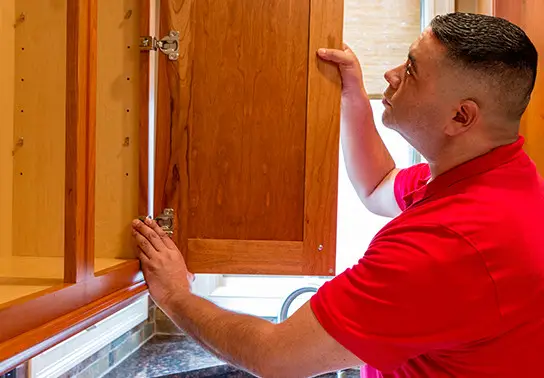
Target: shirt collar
[[476, 166]]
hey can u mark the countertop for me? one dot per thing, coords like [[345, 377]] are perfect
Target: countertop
[[179, 357]]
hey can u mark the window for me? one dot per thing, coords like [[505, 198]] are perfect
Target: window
[[380, 33]]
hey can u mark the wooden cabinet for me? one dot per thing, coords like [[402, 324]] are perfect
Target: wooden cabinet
[[527, 15], [239, 136]]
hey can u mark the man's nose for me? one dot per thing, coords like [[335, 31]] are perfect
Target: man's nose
[[393, 78]]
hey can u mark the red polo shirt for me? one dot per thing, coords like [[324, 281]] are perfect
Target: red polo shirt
[[453, 286]]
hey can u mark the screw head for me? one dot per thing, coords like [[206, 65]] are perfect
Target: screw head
[[320, 247], [331, 270]]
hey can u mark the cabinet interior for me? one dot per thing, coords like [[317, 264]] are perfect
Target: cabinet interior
[[117, 130], [33, 147], [33, 141]]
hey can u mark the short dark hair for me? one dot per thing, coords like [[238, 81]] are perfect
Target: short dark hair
[[494, 47]]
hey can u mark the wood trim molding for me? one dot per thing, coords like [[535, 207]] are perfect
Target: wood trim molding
[[57, 310], [245, 256], [322, 140], [80, 139], [25, 346]]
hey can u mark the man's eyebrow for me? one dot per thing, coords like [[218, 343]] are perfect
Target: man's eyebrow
[[412, 62]]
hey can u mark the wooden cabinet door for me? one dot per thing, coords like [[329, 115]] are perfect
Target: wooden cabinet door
[[247, 134], [528, 15]]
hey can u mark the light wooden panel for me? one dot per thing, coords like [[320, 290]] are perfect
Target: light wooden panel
[[474, 6], [245, 256], [485, 7], [528, 15], [117, 127], [7, 82], [467, 6], [322, 140], [39, 165], [380, 33], [246, 144]]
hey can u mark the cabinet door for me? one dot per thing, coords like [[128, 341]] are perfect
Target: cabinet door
[[528, 15], [247, 134]]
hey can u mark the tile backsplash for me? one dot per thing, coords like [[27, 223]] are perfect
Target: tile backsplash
[[116, 351]]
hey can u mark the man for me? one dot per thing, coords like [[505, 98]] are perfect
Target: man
[[454, 285]]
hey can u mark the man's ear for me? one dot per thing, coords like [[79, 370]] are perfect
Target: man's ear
[[466, 116]]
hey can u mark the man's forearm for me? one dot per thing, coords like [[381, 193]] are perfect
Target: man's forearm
[[241, 340], [367, 159]]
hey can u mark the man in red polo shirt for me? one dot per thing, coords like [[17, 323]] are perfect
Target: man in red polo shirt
[[453, 286]]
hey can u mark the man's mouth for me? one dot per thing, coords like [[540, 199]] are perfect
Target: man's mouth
[[386, 102]]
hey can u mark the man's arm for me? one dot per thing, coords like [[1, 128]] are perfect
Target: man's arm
[[298, 347], [369, 164]]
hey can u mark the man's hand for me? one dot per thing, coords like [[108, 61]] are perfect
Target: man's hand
[[162, 263], [298, 347], [350, 68]]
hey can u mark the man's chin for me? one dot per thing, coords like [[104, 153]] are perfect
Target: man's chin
[[387, 121]]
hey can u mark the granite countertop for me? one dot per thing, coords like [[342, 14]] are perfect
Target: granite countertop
[[179, 357]]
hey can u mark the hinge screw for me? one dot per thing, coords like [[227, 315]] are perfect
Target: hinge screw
[[320, 247]]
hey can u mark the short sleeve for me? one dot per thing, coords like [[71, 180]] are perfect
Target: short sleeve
[[416, 289], [410, 179]]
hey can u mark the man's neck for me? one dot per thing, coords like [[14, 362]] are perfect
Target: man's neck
[[453, 156]]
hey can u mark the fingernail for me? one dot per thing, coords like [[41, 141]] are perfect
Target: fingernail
[[322, 51], [147, 220], [135, 222]]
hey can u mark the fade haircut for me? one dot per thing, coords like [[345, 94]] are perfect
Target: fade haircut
[[497, 50]]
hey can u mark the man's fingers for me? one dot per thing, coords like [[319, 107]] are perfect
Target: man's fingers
[[143, 244], [168, 242], [333, 55], [142, 256], [150, 234]]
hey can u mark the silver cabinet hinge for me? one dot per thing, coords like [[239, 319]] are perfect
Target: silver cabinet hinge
[[166, 221], [169, 45]]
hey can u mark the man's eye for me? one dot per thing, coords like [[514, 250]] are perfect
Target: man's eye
[[408, 69]]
